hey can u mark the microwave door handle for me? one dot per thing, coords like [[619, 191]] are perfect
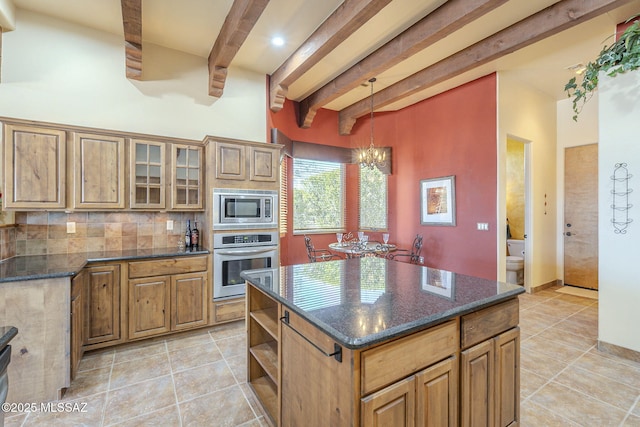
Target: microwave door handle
[[243, 251]]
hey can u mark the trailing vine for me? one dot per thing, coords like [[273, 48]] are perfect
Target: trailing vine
[[622, 56]]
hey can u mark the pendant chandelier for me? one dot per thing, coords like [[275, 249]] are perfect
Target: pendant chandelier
[[372, 157]]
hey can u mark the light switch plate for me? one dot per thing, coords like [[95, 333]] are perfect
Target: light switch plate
[[169, 224], [71, 227], [483, 226]]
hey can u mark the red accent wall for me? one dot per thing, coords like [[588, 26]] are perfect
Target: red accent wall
[[453, 133]]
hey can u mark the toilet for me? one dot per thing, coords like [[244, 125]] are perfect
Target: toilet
[[515, 261]]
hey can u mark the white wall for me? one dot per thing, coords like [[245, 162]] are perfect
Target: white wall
[[60, 72], [571, 134], [619, 296], [527, 114]]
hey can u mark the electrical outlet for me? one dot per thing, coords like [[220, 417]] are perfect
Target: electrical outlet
[[421, 260], [483, 226], [71, 227], [169, 224]]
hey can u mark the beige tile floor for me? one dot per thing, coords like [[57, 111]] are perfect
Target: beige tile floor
[[199, 379]]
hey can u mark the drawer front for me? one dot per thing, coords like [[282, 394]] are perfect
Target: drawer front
[[226, 311], [161, 267], [397, 359], [489, 322]]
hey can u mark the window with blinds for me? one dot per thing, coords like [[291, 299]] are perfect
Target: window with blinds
[[284, 197], [373, 199], [318, 196]]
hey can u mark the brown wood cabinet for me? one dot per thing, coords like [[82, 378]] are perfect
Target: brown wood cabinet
[[34, 167], [147, 174], [149, 306], [102, 302], [462, 372], [166, 295], [229, 310], [189, 301], [244, 164], [77, 320], [99, 171], [187, 172]]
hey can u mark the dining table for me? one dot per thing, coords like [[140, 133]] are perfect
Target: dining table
[[359, 249]]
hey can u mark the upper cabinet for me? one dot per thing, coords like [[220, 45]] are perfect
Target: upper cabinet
[[148, 172], [230, 161], [186, 183], [243, 164], [99, 172], [34, 167]]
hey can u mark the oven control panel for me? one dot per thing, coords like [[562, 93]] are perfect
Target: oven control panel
[[229, 240]]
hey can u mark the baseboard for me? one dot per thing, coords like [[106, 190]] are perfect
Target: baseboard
[[547, 285], [616, 350]]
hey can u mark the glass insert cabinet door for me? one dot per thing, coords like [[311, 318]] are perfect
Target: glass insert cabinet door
[[148, 167], [187, 177]]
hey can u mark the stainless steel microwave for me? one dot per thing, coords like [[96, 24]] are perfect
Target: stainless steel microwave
[[235, 209]]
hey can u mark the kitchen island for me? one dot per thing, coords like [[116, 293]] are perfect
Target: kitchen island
[[376, 342]]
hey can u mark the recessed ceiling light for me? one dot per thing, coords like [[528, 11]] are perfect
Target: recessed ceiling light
[[277, 41]]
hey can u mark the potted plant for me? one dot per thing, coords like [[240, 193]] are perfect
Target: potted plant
[[622, 56]]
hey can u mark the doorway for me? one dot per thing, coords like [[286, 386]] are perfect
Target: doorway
[[581, 216], [517, 197]]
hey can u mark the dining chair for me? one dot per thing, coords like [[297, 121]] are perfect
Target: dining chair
[[413, 254], [318, 254]]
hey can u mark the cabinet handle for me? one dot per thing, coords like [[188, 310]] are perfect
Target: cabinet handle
[[337, 350]]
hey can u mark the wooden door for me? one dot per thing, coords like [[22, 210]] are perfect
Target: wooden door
[[147, 174], [391, 406], [35, 172], [102, 304], [77, 318], [581, 216], [507, 391], [437, 395], [99, 171], [477, 377], [263, 164], [149, 306], [188, 301], [230, 161], [186, 169]]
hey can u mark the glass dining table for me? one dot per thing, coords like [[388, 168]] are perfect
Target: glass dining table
[[360, 249]]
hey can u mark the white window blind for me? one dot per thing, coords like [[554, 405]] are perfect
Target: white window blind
[[284, 197], [318, 196]]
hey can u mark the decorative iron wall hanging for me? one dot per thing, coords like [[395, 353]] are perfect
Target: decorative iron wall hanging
[[621, 205]]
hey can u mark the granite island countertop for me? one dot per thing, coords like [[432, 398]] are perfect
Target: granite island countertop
[[363, 301], [33, 267]]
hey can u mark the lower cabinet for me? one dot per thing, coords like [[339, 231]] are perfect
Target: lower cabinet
[[167, 303], [229, 310], [77, 319], [102, 304], [490, 381]]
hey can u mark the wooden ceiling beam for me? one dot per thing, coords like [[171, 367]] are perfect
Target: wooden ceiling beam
[[132, 23], [240, 20], [343, 22], [443, 21], [552, 20]]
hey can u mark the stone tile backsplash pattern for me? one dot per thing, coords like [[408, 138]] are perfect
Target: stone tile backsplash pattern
[[40, 233]]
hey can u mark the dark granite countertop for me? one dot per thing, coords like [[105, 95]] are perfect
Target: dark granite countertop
[[6, 335], [360, 302], [31, 267]]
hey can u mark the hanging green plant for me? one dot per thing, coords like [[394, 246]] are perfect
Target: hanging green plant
[[622, 56]]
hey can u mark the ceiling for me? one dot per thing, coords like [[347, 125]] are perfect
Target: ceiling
[[193, 26]]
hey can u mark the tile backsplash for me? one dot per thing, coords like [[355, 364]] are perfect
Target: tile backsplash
[[39, 233]]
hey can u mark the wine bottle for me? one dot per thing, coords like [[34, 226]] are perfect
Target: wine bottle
[[195, 235], [187, 236]]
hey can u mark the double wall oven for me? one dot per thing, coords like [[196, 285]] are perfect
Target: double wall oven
[[246, 243]]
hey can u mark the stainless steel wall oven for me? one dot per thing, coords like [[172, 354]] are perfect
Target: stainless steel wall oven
[[238, 251]]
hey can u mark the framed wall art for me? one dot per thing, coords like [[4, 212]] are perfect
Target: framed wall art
[[438, 201]]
